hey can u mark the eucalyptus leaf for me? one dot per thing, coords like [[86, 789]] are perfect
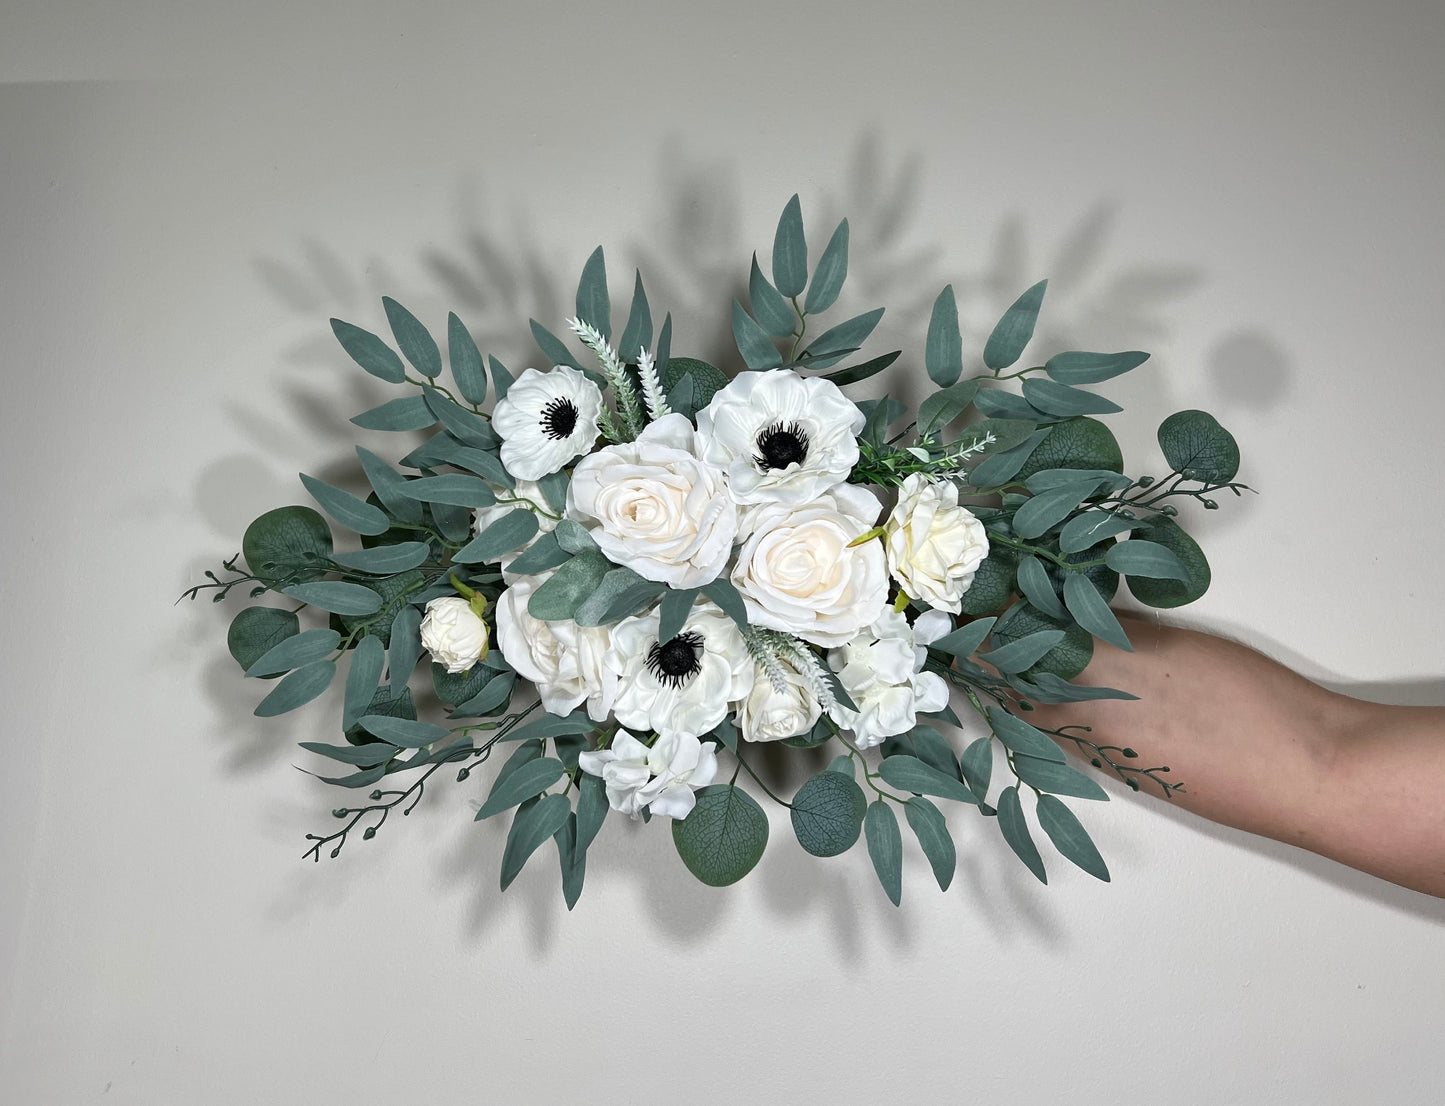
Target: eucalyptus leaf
[[723, 837], [620, 593], [911, 774], [406, 733], [943, 352], [722, 592], [1038, 589], [1091, 611], [385, 559], [390, 486], [529, 780], [1023, 653], [256, 630], [965, 641], [998, 468], [541, 555], [369, 351], [1172, 593], [1019, 736], [830, 273], [554, 489], [1015, 829], [362, 756], [592, 808], [367, 660], [559, 597], [573, 537], [1088, 529], [977, 766], [495, 694], [593, 304], [466, 361], [827, 813], [407, 413], [637, 333], [502, 378], [673, 612], [790, 251], [1061, 399], [553, 725], [294, 652], [512, 531], [553, 348], [297, 689], [1141, 557], [1012, 332], [453, 488], [572, 859], [404, 646], [945, 405], [1197, 447], [770, 307], [1047, 509], [336, 596], [1060, 779], [1077, 367], [999, 404], [753, 341], [1070, 837], [844, 338], [287, 544], [852, 374], [415, 341], [885, 848], [467, 427], [532, 826], [931, 829]]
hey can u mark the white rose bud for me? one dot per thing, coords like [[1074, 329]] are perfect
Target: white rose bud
[[453, 633], [771, 715], [934, 546]]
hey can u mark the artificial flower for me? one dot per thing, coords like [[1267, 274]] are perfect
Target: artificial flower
[[882, 671], [934, 545], [453, 633], [770, 714], [662, 778], [564, 660], [545, 420]]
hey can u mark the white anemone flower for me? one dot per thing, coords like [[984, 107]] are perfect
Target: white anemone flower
[[882, 671], [661, 779], [783, 438], [681, 687], [545, 420]]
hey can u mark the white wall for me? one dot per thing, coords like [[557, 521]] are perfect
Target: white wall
[[188, 192]]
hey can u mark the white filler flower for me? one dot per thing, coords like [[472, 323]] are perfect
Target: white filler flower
[[797, 573], [563, 660], [545, 420], [934, 545], [453, 633], [882, 671], [680, 687], [654, 507], [661, 778], [768, 714], [781, 437]]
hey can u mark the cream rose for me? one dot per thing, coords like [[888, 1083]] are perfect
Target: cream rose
[[934, 545], [653, 506], [772, 715], [797, 573], [453, 633], [563, 660]]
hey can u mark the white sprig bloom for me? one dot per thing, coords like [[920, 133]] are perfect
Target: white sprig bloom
[[934, 545], [770, 714], [797, 573], [782, 438], [546, 419], [882, 671], [684, 686], [453, 633], [653, 506], [563, 660], [662, 778]]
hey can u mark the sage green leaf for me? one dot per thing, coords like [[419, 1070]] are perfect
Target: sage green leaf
[[466, 426], [367, 660], [1047, 480], [672, 614], [553, 725], [1038, 589], [911, 774], [843, 765], [844, 338], [1024, 652], [943, 406], [1077, 367], [554, 489], [1090, 528], [621, 593], [512, 531], [999, 404], [593, 304], [1060, 399], [854, 373], [998, 468], [297, 689], [1019, 736], [390, 487], [553, 348], [336, 596], [943, 353], [663, 355], [790, 251], [1172, 593], [256, 630], [637, 334], [827, 813], [542, 554], [403, 646], [770, 307], [885, 848], [568, 588], [977, 765], [1141, 557], [495, 694], [407, 413], [573, 537], [294, 652], [532, 826], [466, 361], [708, 380], [1070, 657], [286, 544], [753, 341], [415, 341], [454, 688], [934, 839], [403, 732], [1196, 446], [1091, 611], [722, 592], [1070, 837], [1081, 443], [964, 642], [1047, 509], [362, 756], [682, 397], [502, 378], [573, 861], [591, 808], [928, 745], [1012, 332], [365, 778], [830, 273], [369, 351], [454, 488], [1060, 779], [1015, 829], [993, 584], [1058, 690], [723, 837], [385, 560]]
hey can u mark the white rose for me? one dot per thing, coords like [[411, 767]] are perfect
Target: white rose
[[772, 715], [783, 438], [797, 573], [654, 507], [453, 633], [882, 671], [563, 660], [934, 545]]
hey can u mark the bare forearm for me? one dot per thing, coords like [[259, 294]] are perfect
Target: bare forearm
[[1261, 748]]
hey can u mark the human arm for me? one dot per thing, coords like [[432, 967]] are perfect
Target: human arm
[[1263, 749]]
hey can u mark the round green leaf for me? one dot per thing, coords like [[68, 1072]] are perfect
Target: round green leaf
[[828, 813], [1196, 446], [723, 838], [1172, 593], [1081, 443], [992, 585], [289, 544], [706, 379], [255, 630]]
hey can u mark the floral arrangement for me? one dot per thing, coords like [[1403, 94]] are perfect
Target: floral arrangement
[[632, 569]]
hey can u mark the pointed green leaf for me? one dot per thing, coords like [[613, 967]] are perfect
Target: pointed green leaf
[[662, 358], [934, 839], [827, 813], [1077, 367], [964, 642], [620, 594], [353, 513], [910, 774], [790, 251], [854, 373], [573, 861], [1060, 779], [532, 826], [369, 351], [1091, 611], [502, 378], [542, 554], [367, 660], [672, 614], [385, 560], [1172, 593], [553, 725], [945, 405], [297, 689], [494, 695], [828, 277], [404, 647], [389, 487], [753, 341], [402, 732], [415, 341], [943, 353], [1024, 652], [1000, 466], [466, 426], [294, 652], [337, 597], [591, 808], [637, 334], [593, 304], [407, 413], [362, 756], [1012, 333], [842, 339], [466, 361], [553, 348], [1038, 589], [885, 848], [452, 488], [1015, 829], [1061, 399], [512, 531], [1069, 837], [1141, 557], [722, 592], [977, 765], [567, 589], [1019, 736], [1090, 528], [1048, 509], [770, 307]]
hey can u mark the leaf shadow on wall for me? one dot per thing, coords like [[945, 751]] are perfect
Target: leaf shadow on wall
[[502, 270]]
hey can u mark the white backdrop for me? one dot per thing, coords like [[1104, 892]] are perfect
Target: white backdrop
[[188, 192]]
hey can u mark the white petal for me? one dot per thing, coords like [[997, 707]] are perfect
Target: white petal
[[674, 802]]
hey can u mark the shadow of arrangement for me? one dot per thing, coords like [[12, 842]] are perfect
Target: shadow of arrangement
[[502, 271]]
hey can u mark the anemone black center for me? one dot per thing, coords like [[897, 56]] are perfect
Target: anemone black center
[[559, 419], [781, 444], [676, 661]]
